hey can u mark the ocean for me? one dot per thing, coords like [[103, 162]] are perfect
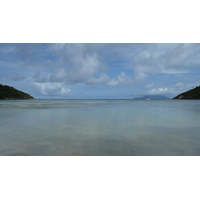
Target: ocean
[[99, 128]]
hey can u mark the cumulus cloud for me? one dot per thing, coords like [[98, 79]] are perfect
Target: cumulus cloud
[[165, 91], [101, 80], [84, 68], [139, 74], [51, 66], [51, 89], [80, 69], [80, 62], [158, 91], [85, 63], [121, 79], [59, 76], [150, 85]]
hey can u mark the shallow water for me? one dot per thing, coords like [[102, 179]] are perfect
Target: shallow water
[[100, 127]]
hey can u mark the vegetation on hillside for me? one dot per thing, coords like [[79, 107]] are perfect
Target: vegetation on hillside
[[191, 94], [7, 92]]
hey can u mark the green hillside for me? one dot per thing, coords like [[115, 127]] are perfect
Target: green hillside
[[191, 94], [7, 92]]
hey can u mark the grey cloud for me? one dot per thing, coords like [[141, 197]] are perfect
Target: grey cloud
[[83, 63], [7, 49], [181, 56], [12, 76], [17, 77], [84, 67], [105, 52], [33, 51], [40, 78], [165, 58], [80, 62]]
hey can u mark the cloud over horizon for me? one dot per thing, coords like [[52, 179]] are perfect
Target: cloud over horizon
[[134, 69]]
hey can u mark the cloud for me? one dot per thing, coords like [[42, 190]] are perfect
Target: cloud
[[103, 79], [59, 76], [80, 69], [158, 91], [166, 59], [52, 66], [121, 79], [174, 71], [179, 84], [51, 89], [7, 49], [181, 57], [80, 62], [165, 91], [149, 85], [84, 67], [139, 74], [17, 77]]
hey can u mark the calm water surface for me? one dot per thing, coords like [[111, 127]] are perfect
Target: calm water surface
[[100, 128]]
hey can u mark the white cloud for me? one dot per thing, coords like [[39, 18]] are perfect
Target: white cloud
[[74, 64], [143, 56], [51, 89], [166, 91], [85, 67], [150, 85], [79, 70], [121, 79], [139, 74], [158, 91], [179, 84], [101, 80]]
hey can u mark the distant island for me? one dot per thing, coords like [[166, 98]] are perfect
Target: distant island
[[152, 97], [7, 92], [190, 94]]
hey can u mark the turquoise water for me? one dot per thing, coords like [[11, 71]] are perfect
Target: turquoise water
[[99, 128]]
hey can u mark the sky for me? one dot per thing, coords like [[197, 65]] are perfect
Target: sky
[[100, 70]]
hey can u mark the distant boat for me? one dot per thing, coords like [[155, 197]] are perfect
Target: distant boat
[[148, 99]]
